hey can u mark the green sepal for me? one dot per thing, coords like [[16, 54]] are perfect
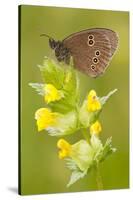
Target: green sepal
[[87, 118], [82, 153], [65, 125]]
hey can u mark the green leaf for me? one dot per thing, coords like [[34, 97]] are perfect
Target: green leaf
[[39, 87], [65, 79], [104, 99], [107, 149], [70, 90], [76, 175], [52, 72], [76, 172], [97, 146], [71, 85], [63, 105]]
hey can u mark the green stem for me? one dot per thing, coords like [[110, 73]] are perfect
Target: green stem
[[86, 134], [98, 178]]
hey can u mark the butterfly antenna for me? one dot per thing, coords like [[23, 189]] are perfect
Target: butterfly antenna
[[45, 35]]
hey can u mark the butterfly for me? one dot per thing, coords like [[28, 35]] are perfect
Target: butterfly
[[91, 49]]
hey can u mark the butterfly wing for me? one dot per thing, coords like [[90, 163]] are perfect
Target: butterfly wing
[[92, 49], [113, 37]]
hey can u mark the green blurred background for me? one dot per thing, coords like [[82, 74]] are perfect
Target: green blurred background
[[41, 170]]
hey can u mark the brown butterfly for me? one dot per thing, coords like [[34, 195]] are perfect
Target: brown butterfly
[[91, 49]]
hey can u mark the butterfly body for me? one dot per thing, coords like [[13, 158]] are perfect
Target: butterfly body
[[91, 49], [62, 53]]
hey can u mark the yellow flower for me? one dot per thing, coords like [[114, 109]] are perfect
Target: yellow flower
[[45, 118], [93, 103], [65, 148], [51, 93], [95, 128]]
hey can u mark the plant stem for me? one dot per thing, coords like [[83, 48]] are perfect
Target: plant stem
[[85, 134], [98, 178]]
